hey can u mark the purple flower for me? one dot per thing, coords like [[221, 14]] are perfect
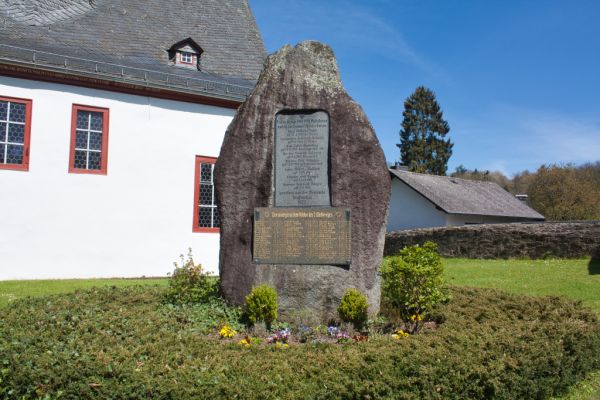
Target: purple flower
[[342, 336], [281, 335], [332, 330]]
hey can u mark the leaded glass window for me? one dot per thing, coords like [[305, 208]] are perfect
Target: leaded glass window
[[88, 148], [88, 140], [14, 133], [206, 216]]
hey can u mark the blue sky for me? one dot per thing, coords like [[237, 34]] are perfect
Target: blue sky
[[518, 81]]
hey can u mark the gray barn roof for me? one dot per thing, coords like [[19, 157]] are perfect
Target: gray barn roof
[[463, 196], [129, 39]]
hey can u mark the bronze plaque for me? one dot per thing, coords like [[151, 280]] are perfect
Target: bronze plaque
[[286, 235]]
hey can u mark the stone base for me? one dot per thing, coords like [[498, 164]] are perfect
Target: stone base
[[318, 288]]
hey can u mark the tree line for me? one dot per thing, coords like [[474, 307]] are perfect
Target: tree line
[[559, 192]]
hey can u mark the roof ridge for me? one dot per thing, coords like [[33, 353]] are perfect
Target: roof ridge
[[443, 176]]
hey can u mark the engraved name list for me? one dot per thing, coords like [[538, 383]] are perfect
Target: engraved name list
[[301, 159]]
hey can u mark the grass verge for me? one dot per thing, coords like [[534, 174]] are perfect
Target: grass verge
[[574, 279], [557, 277], [13, 290]]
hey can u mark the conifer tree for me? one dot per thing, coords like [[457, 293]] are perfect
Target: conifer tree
[[423, 147]]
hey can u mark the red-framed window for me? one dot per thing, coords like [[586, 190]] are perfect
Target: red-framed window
[[186, 57], [15, 133], [206, 213], [89, 140]]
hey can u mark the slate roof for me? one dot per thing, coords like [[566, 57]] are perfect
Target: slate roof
[[136, 34], [463, 196]]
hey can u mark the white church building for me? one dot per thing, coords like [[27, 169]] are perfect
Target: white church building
[[112, 114]]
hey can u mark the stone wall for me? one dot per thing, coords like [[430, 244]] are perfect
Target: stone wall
[[516, 240]]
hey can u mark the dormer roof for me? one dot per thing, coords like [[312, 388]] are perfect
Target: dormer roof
[[187, 44]]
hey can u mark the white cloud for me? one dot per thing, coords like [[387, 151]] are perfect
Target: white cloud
[[509, 139], [498, 165], [556, 138], [355, 28]]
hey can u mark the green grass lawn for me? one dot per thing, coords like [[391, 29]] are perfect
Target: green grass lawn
[[12, 290], [575, 279], [568, 278]]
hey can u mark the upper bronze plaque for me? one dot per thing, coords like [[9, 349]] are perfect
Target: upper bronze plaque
[[301, 159]]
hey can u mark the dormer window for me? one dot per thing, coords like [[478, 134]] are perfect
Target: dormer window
[[185, 53]]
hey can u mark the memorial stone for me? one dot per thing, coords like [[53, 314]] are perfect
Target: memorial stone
[[303, 189]]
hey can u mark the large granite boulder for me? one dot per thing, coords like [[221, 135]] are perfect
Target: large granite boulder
[[302, 77]]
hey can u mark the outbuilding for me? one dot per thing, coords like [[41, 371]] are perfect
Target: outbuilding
[[427, 201]]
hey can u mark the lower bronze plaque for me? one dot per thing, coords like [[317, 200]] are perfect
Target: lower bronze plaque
[[285, 235]]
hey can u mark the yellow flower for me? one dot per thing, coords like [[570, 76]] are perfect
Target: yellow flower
[[399, 334], [280, 345], [415, 317], [245, 341], [227, 332]]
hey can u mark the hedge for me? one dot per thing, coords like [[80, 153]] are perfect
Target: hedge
[[124, 343]]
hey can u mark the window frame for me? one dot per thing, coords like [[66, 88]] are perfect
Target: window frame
[[197, 172], [181, 53], [24, 166], [103, 150]]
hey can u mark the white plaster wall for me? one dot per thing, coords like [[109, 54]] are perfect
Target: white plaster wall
[[410, 210], [133, 222]]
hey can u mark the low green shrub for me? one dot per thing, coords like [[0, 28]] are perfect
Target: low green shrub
[[189, 284], [206, 317], [412, 283], [261, 305], [353, 308], [125, 343]]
